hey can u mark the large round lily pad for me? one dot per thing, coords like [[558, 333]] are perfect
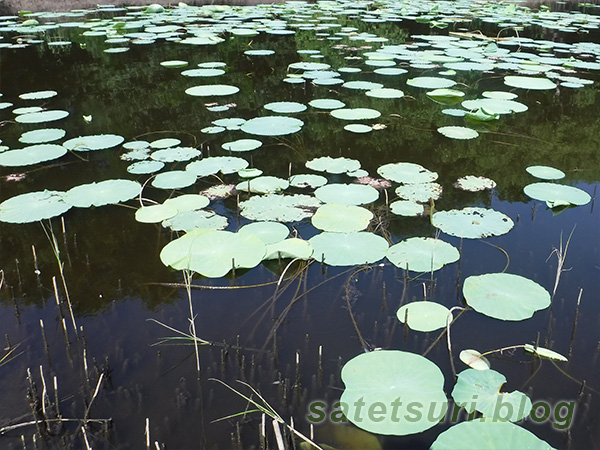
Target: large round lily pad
[[333, 165], [174, 179], [105, 192], [215, 164], [424, 316], [272, 126], [393, 392], [212, 90], [431, 82], [42, 116], [268, 232], [472, 223], [557, 194], [535, 83], [347, 194], [33, 206], [280, 208], [505, 296], [31, 155], [355, 113], [545, 172], [263, 185], [348, 249], [407, 173], [94, 142], [462, 133], [341, 218], [422, 254]]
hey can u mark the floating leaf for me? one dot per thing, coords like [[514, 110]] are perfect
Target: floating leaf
[[362, 85], [280, 208], [326, 103], [215, 164], [268, 232], [358, 128], [407, 173], [347, 194], [419, 192], [155, 213], [557, 194], [272, 126], [212, 90], [307, 181], [493, 106], [102, 193], [472, 183], [289, 248], [33, 207], [544, 352], [213, 254], [534, 83], [263, 185], [388, 381], [94, 142], [478, 390], [445, 94], [472, 223], [407, 208], [33, 154], [348, 249], [458, 132], [38, 95], [164, 143], [385, 93], [431, 82], [43, 116], [195, 220], [333, 165], [424, 316], [175, 154], [42, 135], [474, 359], [145, 167], [285, 107], [242, 145], [187, 202], [545, 172], [250, 173], [505, 296], [355, 113], [422, 254], [341, 218], [174, 179]]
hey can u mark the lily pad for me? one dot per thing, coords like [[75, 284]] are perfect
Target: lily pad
[[505, 296], [472, 222], [42, 116], [544, 352], [42, 135], [280, 208], [289, 248], [424, 316], [326, 103], [164, 143], [272, 126], [216, 164], [285, 107], [242, 145], [94, 142], [341, 218], [175, 154], [145, 167], [33, 154], [268, 232], [545, 172], [187, 202], [458, 132], [263, 185], [557, 194], [419, 192], [348, 249], [102, 193], [174, 179], [387, 382], [307, 181], [385, 93], [333, 165], [195, 220], [355, 113], [407, 208], [155, 213], [213, 254], [472, 183], [422, 254], [474, 359], [33, 207], [358, 128], [407, 173], [431, 82], [347, 194], [534, 83], [212, 90], [494, 106], [38, 95]]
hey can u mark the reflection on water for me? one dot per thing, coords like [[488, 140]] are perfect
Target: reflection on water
[[287, 341]]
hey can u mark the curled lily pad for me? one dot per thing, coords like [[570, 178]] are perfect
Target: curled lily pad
[[94, 142], [545, 172], [389, 381], [424, 316], [213, 254], [474, 359], [544, 352], [458, 132], [289, 248], [505, 296], [33, 207], [341, 218], [407, 173], [280, 208], [422, 254], [31, 155], [333, 165], [478, 390], [105, 192], [348, 249], [347, 194], [472, 183], [557, 194], [272, 126], [472, 223], [488, 434]]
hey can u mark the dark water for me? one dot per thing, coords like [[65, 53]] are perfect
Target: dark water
[[119, 287]]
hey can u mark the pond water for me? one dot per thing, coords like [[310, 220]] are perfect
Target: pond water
[[91, 303]]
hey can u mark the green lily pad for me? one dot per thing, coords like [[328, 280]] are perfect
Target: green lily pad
[[102, 193], [289, 248], [195, 220], [458, 132], [250, 173], [33, 207], [212, 90], [446, 94], [242, 145], [279, 208], [407, 173], [544, 352], [42, 116], [474, 359], [263, 185], [545, 172], [348, 249], [505, 296], [272, 126], [285, 107], [33, 154], [387, 382], [358, 128], [42, 136], [216, 164], [333, 165], [145, 167], [174, 179], [419, 192], [94, 142], [407, 208], [164, 143], [174, 64], [326, 103], [340, 218], [557, 194], [385, 93], [472, 223], [307, 181], [472, 183], [534, 83], [187, 202], [422, 254], [213, 254], [268, 232], [347, 194], [175, 154], [362, 85], [38, 95], [493, 106], [155, 213], [424, 316], [431, 82], [355, 113], [478, 390], [488, 434]]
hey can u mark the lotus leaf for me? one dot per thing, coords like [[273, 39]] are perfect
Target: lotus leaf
[[422, 254], [289, 248], [263, 185], [545, 172], [272, 126], [534, 83], [333, 165], [242, 145], [249, 173], [355, 113], [458, 132], [213, 254], [164, 143], [431, 82], [155, 213], [499, 95], [174, 179], [472, 183], [474, 359], [493, 106], [285, 107], [202, 72], [212, 90], [505, 296], [348, 249], [407, 208], [31, 155], [33, 207], [42, 116], [386, 382], [407, 173], [307, 181], [195, 220], [268, 232], [472, 223], [557, 194], [279, 208], [478, 390], [175, 154], [174, 64], [326, 103], [424, 316], [390, 71], [144, 167], [43, 135], [358, 128], [136, 145], [102, 193], [215, 164], [419, 192], [94, 142], [362, 85], [347, 194], [231, 123], [385, 93], [544, 352], [488, 434], [341, 218], [187, 202], [446, 93]]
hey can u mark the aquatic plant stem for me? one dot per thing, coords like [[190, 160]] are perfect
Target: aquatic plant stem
[[187, 277]]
